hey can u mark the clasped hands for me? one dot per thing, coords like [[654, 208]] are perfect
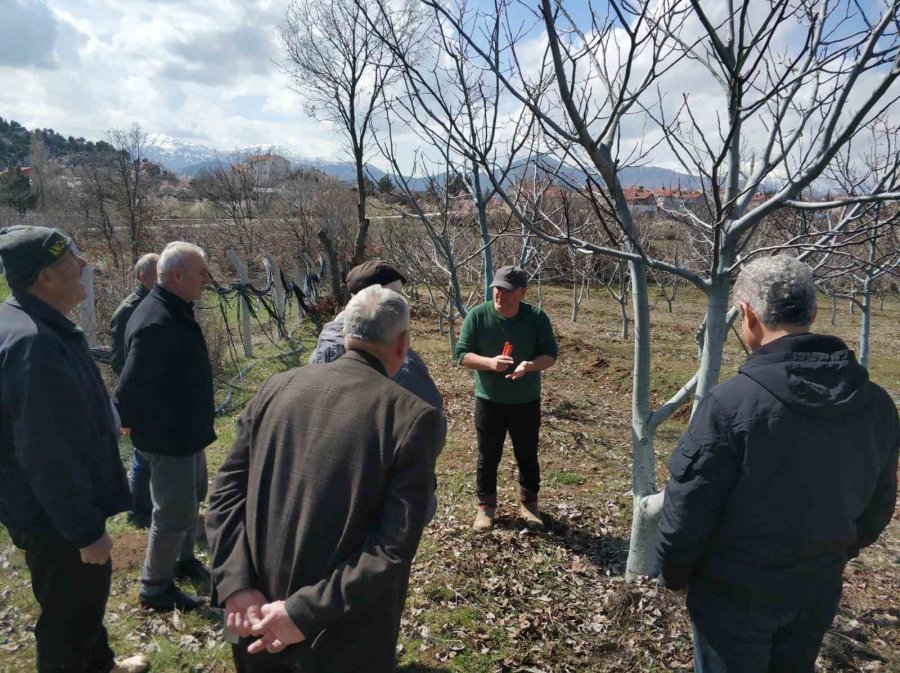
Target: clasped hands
[[249, 613]]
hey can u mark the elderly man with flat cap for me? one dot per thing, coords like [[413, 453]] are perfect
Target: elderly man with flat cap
[[508, 343], [60, 472]]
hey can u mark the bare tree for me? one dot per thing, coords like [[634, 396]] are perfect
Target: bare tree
[[788, 107], [343, 69], [238, 189], [130, 183]]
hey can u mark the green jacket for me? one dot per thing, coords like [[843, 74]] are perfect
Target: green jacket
[[484, 332], [117, 326]]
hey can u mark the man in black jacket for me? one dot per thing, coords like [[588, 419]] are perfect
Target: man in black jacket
[[786, 471], [139, 479], [165, 397], [60, 473]]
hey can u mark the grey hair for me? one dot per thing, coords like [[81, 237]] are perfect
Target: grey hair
[[145, 264], [175, 256], [780, 290], [376, 315]]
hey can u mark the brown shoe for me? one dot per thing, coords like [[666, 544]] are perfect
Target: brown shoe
[[532, 516], [135, 664], [484, 520]]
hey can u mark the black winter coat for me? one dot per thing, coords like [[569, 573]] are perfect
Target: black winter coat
[[165, 392], [786, 471], [59, 448]]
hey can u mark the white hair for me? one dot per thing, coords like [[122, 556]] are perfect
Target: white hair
[[779, 289], [145, 264], [376, 315], [175, 256]]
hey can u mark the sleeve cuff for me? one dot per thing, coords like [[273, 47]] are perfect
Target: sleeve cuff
[[90, 537], [302, 616]]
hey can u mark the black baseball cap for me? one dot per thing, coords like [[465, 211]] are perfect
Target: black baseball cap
[[510, 278], [373, 272]]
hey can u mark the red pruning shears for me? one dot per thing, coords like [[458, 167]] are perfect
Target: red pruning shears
[[507, 349]]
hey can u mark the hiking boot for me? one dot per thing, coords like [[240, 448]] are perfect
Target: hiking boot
[[171, 598], [136, 664], [484, 520], [532, 516], [193, 569]]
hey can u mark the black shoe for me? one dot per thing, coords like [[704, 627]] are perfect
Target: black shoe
[[193, 569], [171, 599], [140, 519]]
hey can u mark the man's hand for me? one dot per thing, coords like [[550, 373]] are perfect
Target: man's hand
[[242, 611], [97, 552], [520, 371], [500, 363], [276, 628]]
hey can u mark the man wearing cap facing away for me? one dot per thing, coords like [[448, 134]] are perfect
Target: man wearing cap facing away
[[60, 472], [508, 343], [413, 374]]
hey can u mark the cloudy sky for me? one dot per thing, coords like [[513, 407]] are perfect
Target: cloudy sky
[[192, 69], [208, 73]]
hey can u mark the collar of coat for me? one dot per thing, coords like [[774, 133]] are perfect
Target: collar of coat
[[365, 358], [38, 308], [178, 306]]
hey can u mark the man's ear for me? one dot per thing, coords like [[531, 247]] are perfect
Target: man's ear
[[750, 316]]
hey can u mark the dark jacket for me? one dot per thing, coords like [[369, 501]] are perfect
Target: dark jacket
[[321, 503], [117, 325], [413, 375], [165, 392], [785, 471], [59, 450]]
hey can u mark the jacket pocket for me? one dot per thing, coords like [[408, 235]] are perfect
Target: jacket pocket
[[683, 457]]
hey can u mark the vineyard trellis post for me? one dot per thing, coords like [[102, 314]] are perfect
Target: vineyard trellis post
[[245, 309]]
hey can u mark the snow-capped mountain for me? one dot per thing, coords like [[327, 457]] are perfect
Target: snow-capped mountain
[[188, 158]]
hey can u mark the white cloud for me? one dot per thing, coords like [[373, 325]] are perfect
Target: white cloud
[[82, 67]]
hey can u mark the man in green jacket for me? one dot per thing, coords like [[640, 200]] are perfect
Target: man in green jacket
[[508, 343]]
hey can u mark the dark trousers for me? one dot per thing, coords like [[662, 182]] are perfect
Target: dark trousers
[[733, 635], [139, 485], [70, 634], [492, 422], [281, 662]]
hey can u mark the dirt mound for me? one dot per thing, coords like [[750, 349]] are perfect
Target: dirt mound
[[128, 551]]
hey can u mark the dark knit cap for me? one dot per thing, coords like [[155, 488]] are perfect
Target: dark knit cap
[[373, 272], [24, 251]]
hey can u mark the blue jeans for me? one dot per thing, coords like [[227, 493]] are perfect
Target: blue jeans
[[746, 635], [139, 485]]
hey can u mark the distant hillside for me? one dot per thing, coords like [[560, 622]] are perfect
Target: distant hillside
[[15, 144]]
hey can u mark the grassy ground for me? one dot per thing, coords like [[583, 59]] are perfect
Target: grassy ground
[[511, 600]]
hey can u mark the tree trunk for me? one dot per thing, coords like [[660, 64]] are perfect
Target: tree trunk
[[647, 502], [335, 275], [451, 323], [867, 305], [487, 262], [833, 310], [575, 301], [623, 308], [359, 247], [715, 335]]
